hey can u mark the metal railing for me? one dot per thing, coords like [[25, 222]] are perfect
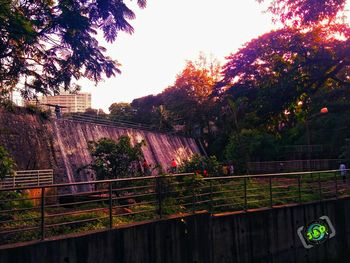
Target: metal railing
[[81, 117], [28, 178], [116, 202], [294, 165]]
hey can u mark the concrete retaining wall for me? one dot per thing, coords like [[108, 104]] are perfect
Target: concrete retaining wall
[[257, 236], [62, 145]]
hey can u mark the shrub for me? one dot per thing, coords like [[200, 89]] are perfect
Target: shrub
[[115, 159], [7, 164], [201, 165]]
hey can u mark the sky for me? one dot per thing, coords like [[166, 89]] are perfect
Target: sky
[[169, 32]]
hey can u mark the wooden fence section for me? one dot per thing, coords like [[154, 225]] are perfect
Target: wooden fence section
[[28, 178]]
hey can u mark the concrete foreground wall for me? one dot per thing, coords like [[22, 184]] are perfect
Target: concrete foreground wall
[[257, 236]]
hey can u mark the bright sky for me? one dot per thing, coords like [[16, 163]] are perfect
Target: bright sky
[[169, 32]]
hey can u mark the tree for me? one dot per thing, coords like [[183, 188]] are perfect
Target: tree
[[189, 100], [91, 111], [115, 159], [145, 109], [306, 12], [346, 151], [282, 67], [163, 116], [48, 45], [121, 111], [7, 165], [250, 145]]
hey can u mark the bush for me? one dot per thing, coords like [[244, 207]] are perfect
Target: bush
[[113, 160], [7, 164], [33, 109], [8, 105], [201, 165]]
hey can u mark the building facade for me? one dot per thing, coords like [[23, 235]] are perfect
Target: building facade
[[78, 102]]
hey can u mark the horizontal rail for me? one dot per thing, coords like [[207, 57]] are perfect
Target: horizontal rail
[[101, 181], [127, 200], [25, 178], [118, 123]]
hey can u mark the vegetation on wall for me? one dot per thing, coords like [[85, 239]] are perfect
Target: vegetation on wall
[[112, 160], [7, 164]]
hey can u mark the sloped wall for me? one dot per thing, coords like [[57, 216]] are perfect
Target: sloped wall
[[29, 140], [72, 138], [63, 144]]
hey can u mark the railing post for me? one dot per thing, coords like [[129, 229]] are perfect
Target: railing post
[[110, 206], [159, 195], [336, 185], [42, 211], [38, 180], [299, 189], [193, 195], [211, 197], [14, 180], [270, 186], [319, 186], [245, 194]]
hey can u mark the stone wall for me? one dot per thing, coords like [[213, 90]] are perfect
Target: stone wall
[[62, 145], [265, 235], [28, 138]]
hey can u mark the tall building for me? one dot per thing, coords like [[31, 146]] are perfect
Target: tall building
[[70, 102]]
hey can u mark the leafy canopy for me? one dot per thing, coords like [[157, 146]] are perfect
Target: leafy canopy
[[282, 67], [188, 101], [121, 111], [46, 45], [306, 12]]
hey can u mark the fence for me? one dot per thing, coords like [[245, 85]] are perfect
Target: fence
[[28, 178], [117, 123], [124, 201], [293, 165]]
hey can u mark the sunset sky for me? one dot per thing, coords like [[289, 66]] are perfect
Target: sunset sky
[[169, 32]]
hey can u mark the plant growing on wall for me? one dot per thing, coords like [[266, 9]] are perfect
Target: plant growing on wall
[[7, 164], [113, 159]]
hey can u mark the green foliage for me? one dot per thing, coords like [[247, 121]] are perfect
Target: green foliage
[[275, 73], [345, 154], [285, 78], [115, 159], [7, 164], [14, 200], [306, 13], [187, 103], [90, 111], [121, 111], [7, 104], [198, 163], [246, 145], [50, 44], [33, 109]]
